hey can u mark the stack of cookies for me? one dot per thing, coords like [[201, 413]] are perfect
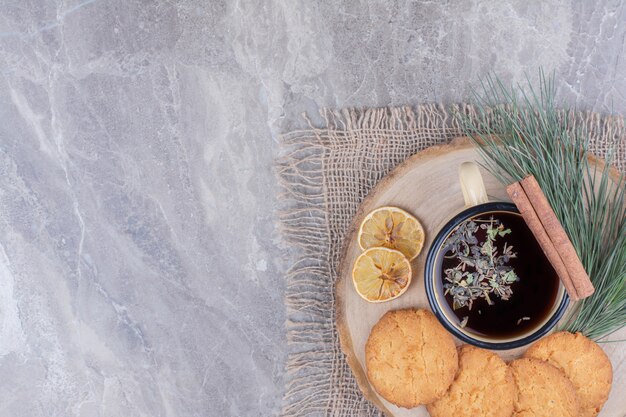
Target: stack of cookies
[[412, 360]]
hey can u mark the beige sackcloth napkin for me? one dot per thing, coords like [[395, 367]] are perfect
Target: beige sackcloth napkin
[[325, 172]]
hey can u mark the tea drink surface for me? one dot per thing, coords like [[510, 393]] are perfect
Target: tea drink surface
[[497, 281]]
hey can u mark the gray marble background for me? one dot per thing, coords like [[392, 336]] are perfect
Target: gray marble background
[[140, 267]]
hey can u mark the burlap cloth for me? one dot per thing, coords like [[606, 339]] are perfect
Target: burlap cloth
[[325, 173]]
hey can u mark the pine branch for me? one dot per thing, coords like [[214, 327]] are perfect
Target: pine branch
[[529, 135]]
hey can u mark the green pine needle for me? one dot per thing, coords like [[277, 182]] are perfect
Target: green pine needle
[[529, 135]]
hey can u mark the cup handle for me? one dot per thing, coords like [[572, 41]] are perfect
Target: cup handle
[[472, 184]]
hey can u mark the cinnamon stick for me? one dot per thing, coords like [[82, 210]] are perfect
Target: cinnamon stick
[[560, 240], [521, 200], [540, 218]]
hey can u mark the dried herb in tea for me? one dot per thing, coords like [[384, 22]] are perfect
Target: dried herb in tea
[[483, 269]]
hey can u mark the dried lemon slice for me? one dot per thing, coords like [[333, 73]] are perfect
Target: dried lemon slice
[[381, 274], [394, 228]]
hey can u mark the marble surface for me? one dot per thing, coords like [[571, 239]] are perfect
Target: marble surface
[[140, 265]]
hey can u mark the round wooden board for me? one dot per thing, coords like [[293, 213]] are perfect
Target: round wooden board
[[427, 186]]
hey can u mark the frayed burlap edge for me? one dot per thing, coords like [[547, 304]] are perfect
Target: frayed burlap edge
[[304, 226], [317, 211]]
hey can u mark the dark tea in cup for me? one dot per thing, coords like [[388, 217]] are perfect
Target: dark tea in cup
[[496, 280], [486, 277]]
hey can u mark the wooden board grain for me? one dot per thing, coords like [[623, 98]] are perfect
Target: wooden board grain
[[427, 186]]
